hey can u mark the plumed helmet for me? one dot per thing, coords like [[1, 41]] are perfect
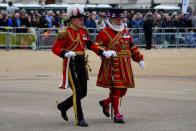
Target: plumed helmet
[[75, 11], [115, 13]]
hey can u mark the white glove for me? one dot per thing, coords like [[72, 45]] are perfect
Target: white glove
[[70, 54], [112, 53], [141, 64], [107, 54]]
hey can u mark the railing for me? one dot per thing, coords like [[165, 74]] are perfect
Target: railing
[[17, 37], [43, 38], [166, 37]]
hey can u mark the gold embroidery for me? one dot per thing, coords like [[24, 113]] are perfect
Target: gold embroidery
[[112, 43], [75, 41]]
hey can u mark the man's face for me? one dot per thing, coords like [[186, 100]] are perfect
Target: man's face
[[116, 21], [78, 22], [17, 15]]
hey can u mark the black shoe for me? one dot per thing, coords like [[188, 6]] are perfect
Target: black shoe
[[105, 109], [82, 123], [63, 113], [119, 119]]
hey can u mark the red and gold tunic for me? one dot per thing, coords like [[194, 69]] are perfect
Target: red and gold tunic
[[121, 43], [72, 39]]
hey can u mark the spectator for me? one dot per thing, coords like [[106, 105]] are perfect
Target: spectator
[[148, 24], [100, 23], [49, 19], [64, 20], [168, 23], [191, 39], [57, 19], [125, 21], [3, 21], [158, 30], [42, 21], [90, 23], [130, 18], [25, 22], [9, 20], [137, 22], [158, 21], [16, 22], [180, 22], [35, 20], [11, 9]]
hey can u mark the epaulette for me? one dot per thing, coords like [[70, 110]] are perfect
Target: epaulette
[[62, 33]]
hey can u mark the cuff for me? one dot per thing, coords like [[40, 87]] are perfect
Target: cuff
[[62, 54]]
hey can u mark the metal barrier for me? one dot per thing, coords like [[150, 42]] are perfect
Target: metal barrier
[[17, 37], [166, 37], [43, 38], [46, 37]]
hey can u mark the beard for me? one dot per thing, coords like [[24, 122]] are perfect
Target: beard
[[116, 27]]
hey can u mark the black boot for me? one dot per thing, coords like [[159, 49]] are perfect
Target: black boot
[[105, 109], [82, 123], [63, 113]]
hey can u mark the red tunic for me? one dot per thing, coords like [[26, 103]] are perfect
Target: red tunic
[[121, 42], [71, 39]]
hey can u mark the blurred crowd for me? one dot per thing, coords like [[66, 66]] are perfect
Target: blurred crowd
[[54, 19]]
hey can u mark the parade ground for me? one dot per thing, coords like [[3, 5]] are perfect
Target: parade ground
[[164, 98]]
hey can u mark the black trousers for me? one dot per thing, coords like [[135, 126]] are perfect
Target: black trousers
[[148, 39], [77, 67]]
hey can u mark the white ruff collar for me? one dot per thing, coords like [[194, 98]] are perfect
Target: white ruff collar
[[118, 29]]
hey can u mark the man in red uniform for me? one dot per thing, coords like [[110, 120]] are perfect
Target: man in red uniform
[[70, 45], [117, 39]]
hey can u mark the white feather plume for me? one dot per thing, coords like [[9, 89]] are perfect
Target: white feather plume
[[75, 10]]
